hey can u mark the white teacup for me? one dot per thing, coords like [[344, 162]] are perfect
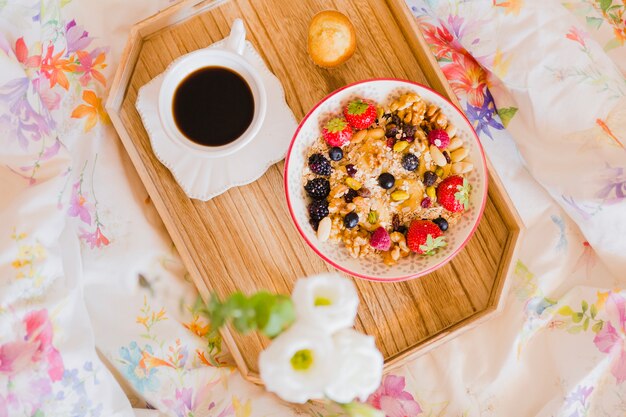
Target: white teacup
[[228, 56]]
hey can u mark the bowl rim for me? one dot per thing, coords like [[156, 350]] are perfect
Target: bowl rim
[[369, 277]]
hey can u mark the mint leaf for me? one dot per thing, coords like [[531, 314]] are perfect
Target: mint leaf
[[431, 245], [605, 4], [463, 193]]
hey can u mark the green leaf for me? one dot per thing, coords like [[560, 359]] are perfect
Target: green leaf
[[597, 327], [506, 114], [281, 315], [577, 317], [565, 311], [605, 4], [431, 245], [584, 305], [594, 22], [463, 193], [612, 44], [586, 324], [593, 311], [575, 329]]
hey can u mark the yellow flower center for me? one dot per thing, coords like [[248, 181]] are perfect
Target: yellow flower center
[[302, 360], [322, 301]]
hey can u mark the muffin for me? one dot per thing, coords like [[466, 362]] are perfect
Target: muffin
[[331, 39]]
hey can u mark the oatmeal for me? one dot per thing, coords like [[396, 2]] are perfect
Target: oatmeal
[[386, 181]]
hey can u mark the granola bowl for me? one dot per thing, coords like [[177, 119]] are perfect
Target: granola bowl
[[392, 193]]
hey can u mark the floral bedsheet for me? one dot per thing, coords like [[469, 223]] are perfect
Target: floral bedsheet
[[96, 311]]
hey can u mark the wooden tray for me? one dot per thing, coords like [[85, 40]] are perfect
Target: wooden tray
[[244, 239]]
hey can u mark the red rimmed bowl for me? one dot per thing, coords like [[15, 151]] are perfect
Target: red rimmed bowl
[[372, 268]]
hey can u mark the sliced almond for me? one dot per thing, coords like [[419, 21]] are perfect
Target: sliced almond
[[462, 167], [437, 156], [359, 136], [376, 133], [323, 229], [455, 143], [459, 155]]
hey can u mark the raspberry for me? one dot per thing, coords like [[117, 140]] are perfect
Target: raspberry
[[439, 138], [380, 239]]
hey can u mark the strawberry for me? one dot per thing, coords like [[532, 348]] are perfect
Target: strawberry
[[337, 132], [424, 237], [439, 138], [380, 239], [453, 193], [360, 114]]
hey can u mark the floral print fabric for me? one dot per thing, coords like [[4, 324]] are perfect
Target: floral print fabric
[[85, 262]]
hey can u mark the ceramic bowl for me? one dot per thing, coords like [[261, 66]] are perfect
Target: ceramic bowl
[[372, 268]]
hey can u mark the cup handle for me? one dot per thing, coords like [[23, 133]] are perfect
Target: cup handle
[[236, 40]]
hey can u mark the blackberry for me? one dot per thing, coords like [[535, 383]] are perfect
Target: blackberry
[[410, 162], [349, 196], [318, 209], [429, 178], [317, 188], [319, 164], [442, 223], [315, 224], [335, 153]]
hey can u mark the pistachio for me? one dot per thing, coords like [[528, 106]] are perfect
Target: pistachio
[[439, 172], [400, 146], [437, 156], [372, 217], [399, 195], [352, 183], [430, 192]]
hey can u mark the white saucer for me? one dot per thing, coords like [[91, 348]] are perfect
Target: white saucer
[[203, 178]]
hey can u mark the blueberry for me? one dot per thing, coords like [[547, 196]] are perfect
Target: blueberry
[[319, 165], [351, 170], [442, 223], [351, 220], [386, 180], [317, 188], [410, 162], [335, 153], [349, 196], [429, 178]]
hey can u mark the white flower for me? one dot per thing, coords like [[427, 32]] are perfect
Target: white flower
[[359, 367], [298, 365], [328, 301]]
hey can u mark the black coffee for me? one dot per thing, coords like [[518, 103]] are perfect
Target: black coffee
[[213, 106]]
